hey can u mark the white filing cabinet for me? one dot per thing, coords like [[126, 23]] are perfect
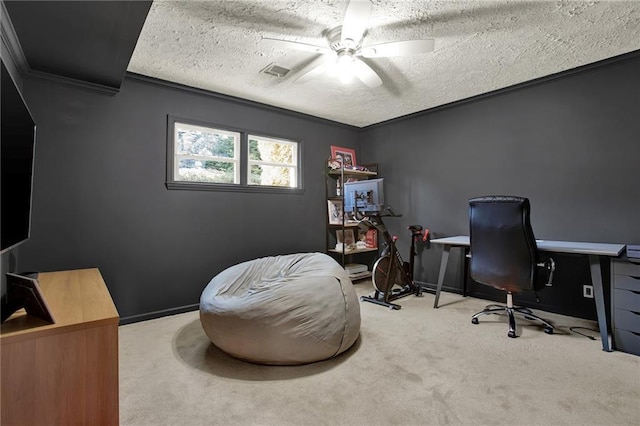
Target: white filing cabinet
[[625, 304]]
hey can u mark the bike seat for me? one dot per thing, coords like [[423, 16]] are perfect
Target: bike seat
[[414, 228]]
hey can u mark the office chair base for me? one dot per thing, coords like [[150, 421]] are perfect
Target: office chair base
[[526, 313]]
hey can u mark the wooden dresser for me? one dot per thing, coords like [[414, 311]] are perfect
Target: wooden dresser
[[64, 373]]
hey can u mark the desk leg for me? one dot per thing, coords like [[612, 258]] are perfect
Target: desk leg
[[597, 279], [443, 270]]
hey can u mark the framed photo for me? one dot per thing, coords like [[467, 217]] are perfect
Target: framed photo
[[334, 208], [347, 238], [24, 292], [346, 156]]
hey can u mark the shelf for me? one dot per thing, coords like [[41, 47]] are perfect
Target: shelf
[[360, 275], [346, 224], [354, 251], [344, 227], [339, 172]]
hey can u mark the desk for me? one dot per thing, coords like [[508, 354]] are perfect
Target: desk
[[594, 251]]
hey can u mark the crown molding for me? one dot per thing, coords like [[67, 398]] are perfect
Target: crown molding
[[11, 45], [82, 84], [10, 42]]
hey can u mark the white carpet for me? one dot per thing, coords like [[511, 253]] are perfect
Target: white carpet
[[415, 366]]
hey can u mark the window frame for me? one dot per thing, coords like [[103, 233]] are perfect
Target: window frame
[[296, 161], [235, 160], [243, 160]]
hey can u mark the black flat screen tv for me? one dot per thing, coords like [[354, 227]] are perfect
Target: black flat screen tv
[[17, 149]]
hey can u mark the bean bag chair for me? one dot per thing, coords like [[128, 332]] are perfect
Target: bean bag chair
[[282, 310]]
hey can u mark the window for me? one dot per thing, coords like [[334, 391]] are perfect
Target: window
[[272, 162], [209, 157], [206, 155]]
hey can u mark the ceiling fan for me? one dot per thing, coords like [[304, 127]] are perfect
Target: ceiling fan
[[346, 47]]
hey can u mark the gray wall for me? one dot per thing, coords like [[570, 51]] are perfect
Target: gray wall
[[570, 144], [100, 198]]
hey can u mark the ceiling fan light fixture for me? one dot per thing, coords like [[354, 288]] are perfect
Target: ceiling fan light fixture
[[344, 53], [349, 44], [345, 60], [345, 63], [345, 78]]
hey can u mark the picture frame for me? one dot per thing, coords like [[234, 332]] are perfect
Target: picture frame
[[24, 292], [346, 156], [347, 237], [335, 212]]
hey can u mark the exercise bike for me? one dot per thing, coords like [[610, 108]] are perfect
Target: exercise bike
[[392, 277]]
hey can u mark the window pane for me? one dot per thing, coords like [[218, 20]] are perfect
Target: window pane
[[254, 151], [271, 151], [271, 175], [206, 171], [206, 143]]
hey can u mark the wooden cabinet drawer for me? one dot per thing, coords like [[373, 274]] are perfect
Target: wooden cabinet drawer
[[626, 341], [627, 300], [626, 268], [627, 320]]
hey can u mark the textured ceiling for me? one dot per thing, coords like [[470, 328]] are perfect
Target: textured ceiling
[[480, 46]]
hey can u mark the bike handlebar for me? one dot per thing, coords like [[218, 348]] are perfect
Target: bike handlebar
[[390, 213]]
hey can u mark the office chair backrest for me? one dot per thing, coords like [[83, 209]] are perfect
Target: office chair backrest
[[503, 247]]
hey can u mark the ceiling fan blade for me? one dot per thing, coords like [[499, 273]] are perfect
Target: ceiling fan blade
[[356, 20], [398, 48], [365, 74], [314, 69], [296, 45]]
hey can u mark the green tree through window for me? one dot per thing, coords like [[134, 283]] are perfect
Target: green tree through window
[[206, 155]]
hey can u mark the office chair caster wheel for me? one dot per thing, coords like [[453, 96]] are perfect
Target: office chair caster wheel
[[512, 334], [474, 321], [548, 330]]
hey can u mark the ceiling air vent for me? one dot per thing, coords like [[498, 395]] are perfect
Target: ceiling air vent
[[275, 70]]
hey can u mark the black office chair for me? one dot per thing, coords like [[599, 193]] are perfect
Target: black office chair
[[504, 254]]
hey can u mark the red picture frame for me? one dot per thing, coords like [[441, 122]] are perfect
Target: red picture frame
[[346, 156]]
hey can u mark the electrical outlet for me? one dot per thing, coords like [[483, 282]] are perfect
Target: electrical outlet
[[587, 291]]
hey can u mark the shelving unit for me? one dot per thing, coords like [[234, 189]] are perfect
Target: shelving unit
[[335, 180]]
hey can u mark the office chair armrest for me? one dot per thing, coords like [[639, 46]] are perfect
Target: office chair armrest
[[548, 264]]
